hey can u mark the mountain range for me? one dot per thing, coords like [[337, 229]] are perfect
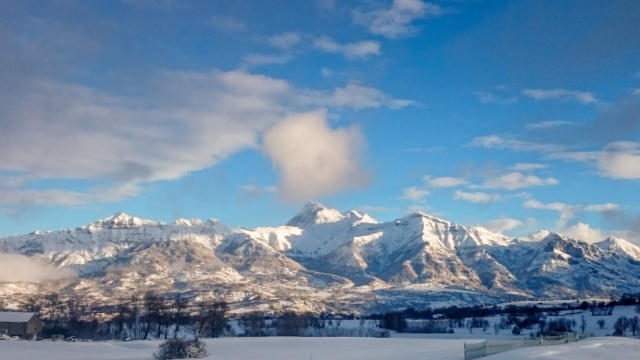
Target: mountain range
[[322, 260]]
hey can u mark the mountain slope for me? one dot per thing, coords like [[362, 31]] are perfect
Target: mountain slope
[[324, 260]]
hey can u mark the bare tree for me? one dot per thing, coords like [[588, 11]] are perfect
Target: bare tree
[[254, 323], [179, 306], [633, 324], [152, 307]]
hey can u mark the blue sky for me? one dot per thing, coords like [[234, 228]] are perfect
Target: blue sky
[[518, 115]]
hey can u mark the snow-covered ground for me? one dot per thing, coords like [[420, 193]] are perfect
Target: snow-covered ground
[[266, 348], [286, 348], [614, 348]]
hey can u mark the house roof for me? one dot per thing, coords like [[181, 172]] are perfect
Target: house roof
[[15, 316]]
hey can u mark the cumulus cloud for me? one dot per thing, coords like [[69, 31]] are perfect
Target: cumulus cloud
[[313, 159], [584, 232], [562, 95], [444, 181], [503, 224], [501, 142], [353, 51], [20, 268], [617, 160], [517, 180], [415, 194], [396, 20], [475, 197]]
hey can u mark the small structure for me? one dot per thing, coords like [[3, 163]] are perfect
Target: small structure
[[23, 324]]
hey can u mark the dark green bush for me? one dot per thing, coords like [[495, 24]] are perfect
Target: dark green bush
[[180, 349]]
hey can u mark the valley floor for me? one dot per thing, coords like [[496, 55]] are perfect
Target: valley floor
[[287, 348]]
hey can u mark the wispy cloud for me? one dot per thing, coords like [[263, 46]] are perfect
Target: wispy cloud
[[126, 142], [528, 166], [284, 41], [567, 211], [486, 97], [444, 181], [562, 95], [353, 51], [502, 225], [548, 124], [415, 194], [506, 143], [396, 20], [357, 96], [475, 197], [517, 180], [226, 23], [254, 60], [617, 160]]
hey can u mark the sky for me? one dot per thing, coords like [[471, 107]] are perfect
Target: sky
[[515, 115]]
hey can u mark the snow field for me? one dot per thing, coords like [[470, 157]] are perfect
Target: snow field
[[288, 348]]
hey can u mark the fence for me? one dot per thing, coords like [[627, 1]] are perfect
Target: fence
[[489, 347]]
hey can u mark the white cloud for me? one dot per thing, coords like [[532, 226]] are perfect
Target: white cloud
[[563, 95], [29, 269], [353, 51], [415, 194], [517, 180], [255, 191], [491, 98], [227, 23], [548, 124], [357, 96], [313, 159], [617, 160], [500, 142], [397, 20], [528, 166], [186, 121], [584, 232], [502, 225], [285, 40], [475, 197], [372, 208], [444, 181], [253, 60], [567, 212]]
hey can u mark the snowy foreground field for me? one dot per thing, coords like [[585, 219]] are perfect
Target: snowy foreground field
[[283, 348]]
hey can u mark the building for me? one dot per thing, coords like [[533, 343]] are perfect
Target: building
[[23, 324]]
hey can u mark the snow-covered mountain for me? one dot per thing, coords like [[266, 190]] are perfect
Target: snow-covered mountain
[[324, 260]]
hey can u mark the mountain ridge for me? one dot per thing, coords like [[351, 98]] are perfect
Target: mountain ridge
[[324, 259]]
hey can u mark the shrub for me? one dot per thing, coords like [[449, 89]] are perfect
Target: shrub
[[180, 349], [516, 330]]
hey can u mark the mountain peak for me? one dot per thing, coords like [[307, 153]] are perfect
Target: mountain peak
[[620, 246], [314, 213], [188, 222], [121, 220]]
